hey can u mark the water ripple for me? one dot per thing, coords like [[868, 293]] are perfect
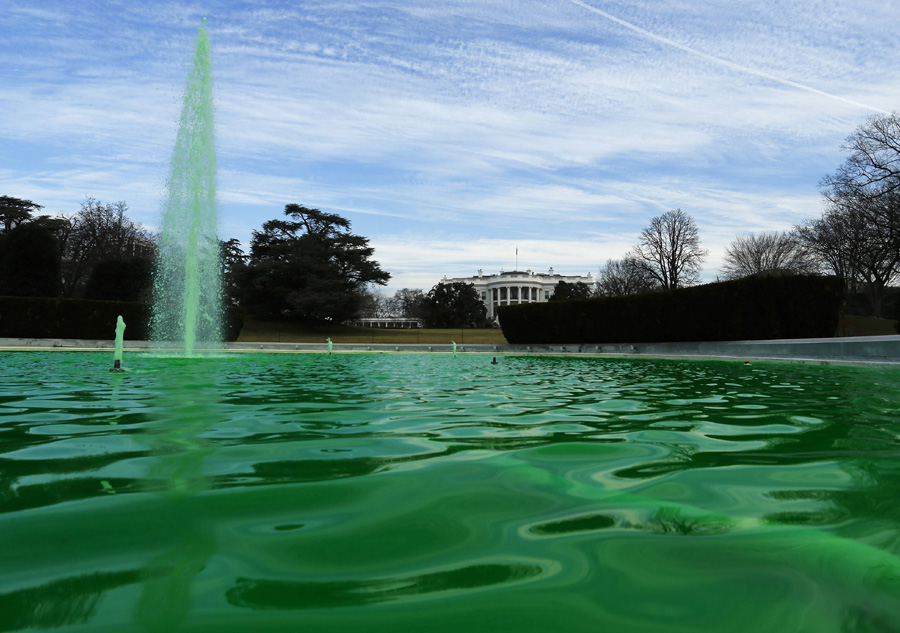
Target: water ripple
[[573, 492]]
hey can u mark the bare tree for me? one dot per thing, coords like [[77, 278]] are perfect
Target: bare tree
[[770, 250], [858, 238], [873, 167], [407, 302], [624, 276], [878, 263], [96, 232], [859, 233], [827, 239], [372, 304], [670, 250]]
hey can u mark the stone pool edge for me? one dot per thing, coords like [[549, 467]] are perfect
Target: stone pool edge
[[852, 350]]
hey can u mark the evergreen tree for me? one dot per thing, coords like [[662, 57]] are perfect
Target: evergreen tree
[[14, 211], [308, 268], [564, 291], [453, 305]]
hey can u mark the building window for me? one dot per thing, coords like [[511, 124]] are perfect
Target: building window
[[503, 294], [546, 295]]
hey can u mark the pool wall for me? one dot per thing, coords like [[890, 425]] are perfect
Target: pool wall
[[869, 349]]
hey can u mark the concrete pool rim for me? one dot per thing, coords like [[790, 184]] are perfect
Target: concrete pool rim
[[884, 350]]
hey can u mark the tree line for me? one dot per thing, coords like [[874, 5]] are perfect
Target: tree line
[[309, 267], [306, 267], [94, 253], [856, 238]]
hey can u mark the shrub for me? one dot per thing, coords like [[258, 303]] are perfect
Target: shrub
[[52, 317], [745, 309], [29, 261], [46, 317], [119, 280]]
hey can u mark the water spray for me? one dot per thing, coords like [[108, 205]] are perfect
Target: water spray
[[187, 301]]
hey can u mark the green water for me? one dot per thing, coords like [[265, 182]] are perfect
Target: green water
[[187, 296], [432, 493]]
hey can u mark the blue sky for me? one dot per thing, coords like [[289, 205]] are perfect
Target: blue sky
[[451, 132]]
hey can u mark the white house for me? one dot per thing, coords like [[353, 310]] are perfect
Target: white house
[[507, 288]]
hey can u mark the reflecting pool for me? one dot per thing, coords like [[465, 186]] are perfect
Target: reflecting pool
[[391, 492]]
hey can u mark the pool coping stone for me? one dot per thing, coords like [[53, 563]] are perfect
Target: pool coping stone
[[859, 349]]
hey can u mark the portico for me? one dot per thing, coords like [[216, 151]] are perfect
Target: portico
[[514, 287]]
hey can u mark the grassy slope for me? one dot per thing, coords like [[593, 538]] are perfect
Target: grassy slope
[[852, 325]]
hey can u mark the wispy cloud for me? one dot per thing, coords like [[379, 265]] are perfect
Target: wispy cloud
[[450, 131], [723, 62]]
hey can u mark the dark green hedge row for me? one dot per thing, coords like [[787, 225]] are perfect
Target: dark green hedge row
[[754, 308], [51, 317]]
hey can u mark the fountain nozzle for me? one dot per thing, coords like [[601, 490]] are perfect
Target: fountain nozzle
[[120, 335]]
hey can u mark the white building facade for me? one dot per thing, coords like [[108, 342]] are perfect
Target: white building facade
[[514, 287]]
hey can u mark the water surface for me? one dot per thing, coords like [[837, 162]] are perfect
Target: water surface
[[430, 493]]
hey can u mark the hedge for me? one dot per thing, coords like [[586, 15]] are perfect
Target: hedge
[[53, 317], [754, 308]]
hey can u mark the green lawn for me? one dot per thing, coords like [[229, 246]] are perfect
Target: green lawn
[[274, 332]]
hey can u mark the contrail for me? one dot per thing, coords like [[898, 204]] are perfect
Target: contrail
[[719, 60]]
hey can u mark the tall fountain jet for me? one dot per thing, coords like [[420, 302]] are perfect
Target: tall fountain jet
[[187, 286]]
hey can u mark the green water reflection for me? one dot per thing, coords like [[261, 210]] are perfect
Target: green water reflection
[[385, 492]]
